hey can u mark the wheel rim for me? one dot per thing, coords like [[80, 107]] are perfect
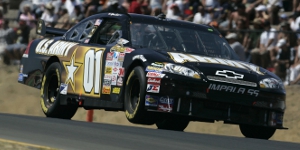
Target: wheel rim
[[134, 94], [51, 91]]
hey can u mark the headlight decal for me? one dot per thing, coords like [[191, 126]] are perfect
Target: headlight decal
[[271, 83], [181, 70]]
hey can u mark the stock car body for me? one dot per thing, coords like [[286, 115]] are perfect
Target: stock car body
[[157, 70]]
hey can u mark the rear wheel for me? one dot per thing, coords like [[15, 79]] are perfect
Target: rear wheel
[[258, 132], [50, 96], [172, 124], [134, 102]]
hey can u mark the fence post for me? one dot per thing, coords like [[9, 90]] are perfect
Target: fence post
[[89, 116]]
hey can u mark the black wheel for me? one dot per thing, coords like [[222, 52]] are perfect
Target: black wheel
[[257, 132], [172, 124], [134, 102], [50, 95]]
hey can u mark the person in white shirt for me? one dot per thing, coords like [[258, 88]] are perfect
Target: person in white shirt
[[202, 17], [236, 46], [261, 56], [49, 16]]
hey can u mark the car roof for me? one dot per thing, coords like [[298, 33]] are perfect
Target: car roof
[[139, 18]]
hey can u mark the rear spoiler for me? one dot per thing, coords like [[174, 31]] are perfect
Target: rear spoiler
[[43, 30]]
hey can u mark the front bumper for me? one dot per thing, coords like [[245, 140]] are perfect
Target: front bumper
[[193, 98]]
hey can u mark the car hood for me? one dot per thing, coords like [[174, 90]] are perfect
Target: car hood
[[214, 68]]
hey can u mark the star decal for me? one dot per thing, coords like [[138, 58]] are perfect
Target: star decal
[[71, 68]]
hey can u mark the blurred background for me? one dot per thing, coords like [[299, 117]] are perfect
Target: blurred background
[[263, 32]]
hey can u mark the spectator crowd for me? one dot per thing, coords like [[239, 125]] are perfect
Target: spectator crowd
[[263, 32]]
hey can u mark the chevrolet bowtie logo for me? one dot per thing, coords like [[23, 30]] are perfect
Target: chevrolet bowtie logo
[[229, 74]]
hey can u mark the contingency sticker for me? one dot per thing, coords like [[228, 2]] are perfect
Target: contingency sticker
[[63, 88], [151, 101], [153, 88]]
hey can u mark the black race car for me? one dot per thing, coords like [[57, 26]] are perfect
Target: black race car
[[157, 70]]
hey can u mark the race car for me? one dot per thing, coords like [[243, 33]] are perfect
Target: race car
[[157, 70]]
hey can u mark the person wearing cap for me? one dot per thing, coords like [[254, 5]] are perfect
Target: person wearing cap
[[261, 56], [49, 16], [236, 46], [261, 13]]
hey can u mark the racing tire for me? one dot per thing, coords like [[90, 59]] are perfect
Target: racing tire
[[172, 124], [257, 132], [134, 100], [50, 96]]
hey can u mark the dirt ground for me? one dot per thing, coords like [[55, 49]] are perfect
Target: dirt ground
[[16, 98]]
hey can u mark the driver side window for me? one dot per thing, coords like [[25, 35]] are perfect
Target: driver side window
[[106, 32]]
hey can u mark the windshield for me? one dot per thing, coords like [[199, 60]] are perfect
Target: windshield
[[179, 39]]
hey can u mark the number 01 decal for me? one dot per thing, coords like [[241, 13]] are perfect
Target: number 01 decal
[[92, 71]]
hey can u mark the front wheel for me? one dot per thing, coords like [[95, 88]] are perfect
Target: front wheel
[[50, 96], [134, 102], [257, 132], [172, 124]]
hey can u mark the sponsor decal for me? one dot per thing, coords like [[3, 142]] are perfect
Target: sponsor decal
[[155, 75], [20, 78], [106, 89], [106, 82], [115, 56], [166, 100], [122, 41], [153, 88], [121, 72], [59, 48], [154, 69], [158, 64], [121, 57], [116, 64], [116, 90], [151, 101], [117, 48], [63, 88], [109, 63], [107, 76], [108, 70], [182, 58], [71, 69], [128, 50], [86, 40], [114, 80], [115, 70], [109, 56], [154, 80], [98, 22], [25, 55], [120, 81], [165, 107], [114, 14], [233, 89], [229, 74]]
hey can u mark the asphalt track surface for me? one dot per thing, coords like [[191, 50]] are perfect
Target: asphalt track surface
[[73, 135]]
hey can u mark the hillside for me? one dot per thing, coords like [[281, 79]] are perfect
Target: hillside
[[16, 98]]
